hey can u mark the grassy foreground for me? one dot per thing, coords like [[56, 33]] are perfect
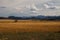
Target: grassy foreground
[[29, 30]]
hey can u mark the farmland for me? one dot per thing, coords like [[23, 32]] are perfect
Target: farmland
[[29, 30]]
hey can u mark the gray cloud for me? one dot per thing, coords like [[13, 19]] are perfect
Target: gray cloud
[[23, 7]]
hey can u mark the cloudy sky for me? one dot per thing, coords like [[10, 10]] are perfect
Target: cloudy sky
[[29, 7]]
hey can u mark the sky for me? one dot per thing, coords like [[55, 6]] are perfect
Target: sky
[[29, 7]]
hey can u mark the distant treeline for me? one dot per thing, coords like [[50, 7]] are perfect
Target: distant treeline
[[40, 17]]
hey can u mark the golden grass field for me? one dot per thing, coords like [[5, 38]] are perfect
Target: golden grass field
[[29, 26], [29, 30]]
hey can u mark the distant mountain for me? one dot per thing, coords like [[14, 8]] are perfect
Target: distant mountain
[[40, 17], [48, 17]]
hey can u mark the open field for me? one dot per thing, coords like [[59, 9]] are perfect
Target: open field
[[29, 25], [29, 30]]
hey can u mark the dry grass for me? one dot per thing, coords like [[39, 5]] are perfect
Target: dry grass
[[29, 30], [29, 26]]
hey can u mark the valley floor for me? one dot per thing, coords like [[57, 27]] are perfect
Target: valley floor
[[29, 25], [29, 30]]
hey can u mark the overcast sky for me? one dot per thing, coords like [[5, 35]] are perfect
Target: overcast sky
[[29, 7]]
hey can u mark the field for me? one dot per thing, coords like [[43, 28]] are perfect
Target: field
[[29, 25], [29, 30]]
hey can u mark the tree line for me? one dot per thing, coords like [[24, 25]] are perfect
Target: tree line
[[33, 18]]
